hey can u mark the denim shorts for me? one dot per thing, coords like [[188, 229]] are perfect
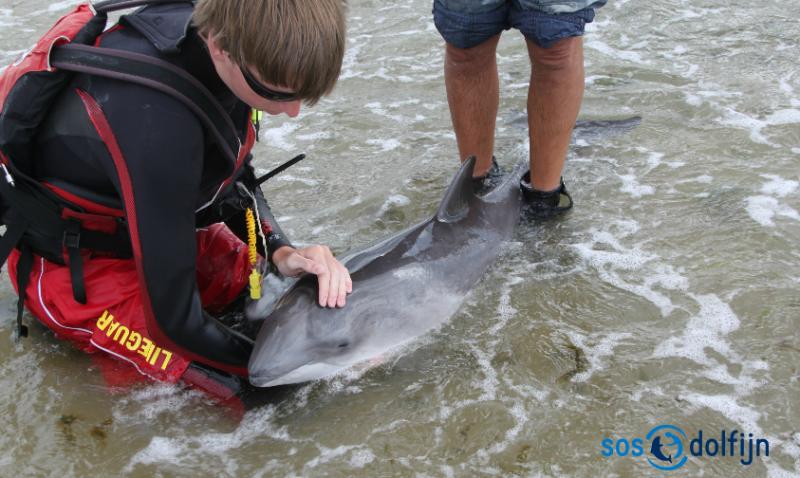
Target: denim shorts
[[468, 23]]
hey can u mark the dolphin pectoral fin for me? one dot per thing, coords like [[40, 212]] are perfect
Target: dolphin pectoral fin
[[455, 204]]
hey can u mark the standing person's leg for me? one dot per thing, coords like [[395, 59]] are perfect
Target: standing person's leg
[[554, 100], [472, 29], [473, 93], [552, 33]]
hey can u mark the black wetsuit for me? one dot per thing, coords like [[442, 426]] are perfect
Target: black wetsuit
[[175, 170]]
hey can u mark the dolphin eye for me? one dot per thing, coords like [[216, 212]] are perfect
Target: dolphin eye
[[343, 345]]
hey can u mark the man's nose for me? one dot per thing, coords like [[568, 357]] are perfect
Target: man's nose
[[292, 108]]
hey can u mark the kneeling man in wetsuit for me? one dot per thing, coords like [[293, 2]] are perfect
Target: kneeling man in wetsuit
[[128, 152]]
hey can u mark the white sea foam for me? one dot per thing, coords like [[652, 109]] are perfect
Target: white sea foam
[[408, 102], [379, 109], [596, 348], [328, 454], [615, 266], [153, 400], [782, 117], [315, 136], [743, 121], [160, 450], [785, 86], [361, 458], [706, 329], [728, 407], [63, 5], [7, 20], [590, 80], [630, 185], [743, 383], [385, 144], [521, 417], [778, 186], [763, 210], [692, 99], [620, 3], [755, 125], [286, 177], [654, 159], [384, 73], [485, 353], [702, 179], [608, 50], [393, 201], [708, 89], [350, 63], [279, 137], [792, 447], [775, 471], [182, 449]]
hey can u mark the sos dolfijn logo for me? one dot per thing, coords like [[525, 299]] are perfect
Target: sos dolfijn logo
[[667, 447]]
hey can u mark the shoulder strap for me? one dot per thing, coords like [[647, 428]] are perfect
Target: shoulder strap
[[113, 5], [157, 74]]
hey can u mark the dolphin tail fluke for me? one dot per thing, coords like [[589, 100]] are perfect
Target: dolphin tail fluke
[[455, 204], [669, 458]]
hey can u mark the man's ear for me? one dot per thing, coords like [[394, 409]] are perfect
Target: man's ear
[[217, 54]]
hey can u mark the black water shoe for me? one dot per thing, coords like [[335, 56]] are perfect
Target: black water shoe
[[483, 184], [544, 204]]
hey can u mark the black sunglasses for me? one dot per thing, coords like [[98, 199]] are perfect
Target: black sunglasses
[[263, 91]]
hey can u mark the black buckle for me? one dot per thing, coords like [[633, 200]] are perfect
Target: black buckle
[[72, 240]]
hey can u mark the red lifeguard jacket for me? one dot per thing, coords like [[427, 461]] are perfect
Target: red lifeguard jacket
[[44, 219]]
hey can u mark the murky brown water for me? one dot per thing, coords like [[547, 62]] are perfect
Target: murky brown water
[[668, 296]]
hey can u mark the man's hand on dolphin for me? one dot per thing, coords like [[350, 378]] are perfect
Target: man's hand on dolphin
[[334, 278]]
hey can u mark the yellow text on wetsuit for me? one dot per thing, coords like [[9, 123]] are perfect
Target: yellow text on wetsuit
[[133, 341]]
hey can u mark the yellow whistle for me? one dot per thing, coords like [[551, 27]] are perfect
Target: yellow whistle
[[255, 285]]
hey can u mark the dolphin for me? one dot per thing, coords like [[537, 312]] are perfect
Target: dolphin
[[655, 450], [403, 286], [587, 131]]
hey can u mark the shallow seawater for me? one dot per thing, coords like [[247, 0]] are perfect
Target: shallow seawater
[[668, 296]]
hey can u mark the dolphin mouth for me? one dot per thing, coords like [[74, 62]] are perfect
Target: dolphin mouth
[[304, 373]]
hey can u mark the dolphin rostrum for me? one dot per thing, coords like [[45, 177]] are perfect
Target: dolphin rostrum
[[403, 286]]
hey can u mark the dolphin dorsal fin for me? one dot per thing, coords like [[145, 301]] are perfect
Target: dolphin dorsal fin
[[455, 204]]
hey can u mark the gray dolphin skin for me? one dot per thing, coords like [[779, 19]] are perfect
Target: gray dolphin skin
[[403, 286]]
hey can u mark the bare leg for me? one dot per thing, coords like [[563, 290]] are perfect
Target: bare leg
[[554, 100], [473, 92]]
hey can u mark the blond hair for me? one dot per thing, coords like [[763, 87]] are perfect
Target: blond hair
[[297, 44]]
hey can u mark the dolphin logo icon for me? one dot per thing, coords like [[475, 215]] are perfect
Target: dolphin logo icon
[[671, 437], [655, 450]]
